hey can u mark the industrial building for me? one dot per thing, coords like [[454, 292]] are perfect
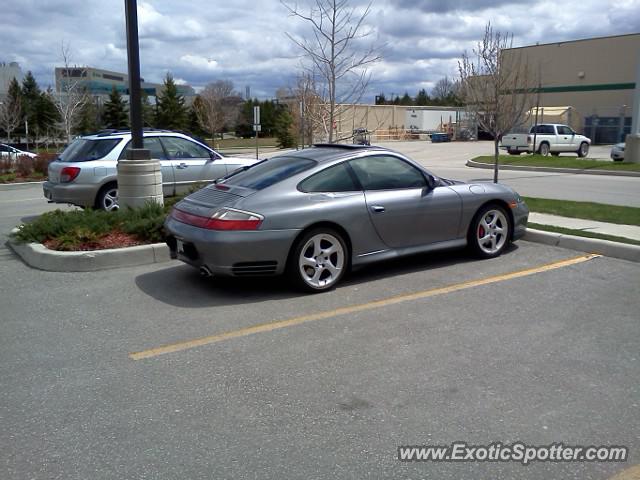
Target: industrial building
[[592, 80], [9, 71], [101, 82]]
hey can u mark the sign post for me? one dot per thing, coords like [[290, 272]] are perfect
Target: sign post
[[256, 125]]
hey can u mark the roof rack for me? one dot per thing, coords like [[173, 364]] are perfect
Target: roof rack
[[114, 131]]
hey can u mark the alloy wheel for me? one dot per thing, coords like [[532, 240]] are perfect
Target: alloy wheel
[[492, 231], [110, 200], [321, 261]]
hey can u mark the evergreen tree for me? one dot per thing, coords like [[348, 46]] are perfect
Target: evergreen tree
[[381, 99], [47, 116], [30, 99], [422, 98], [406, 99], [115, 113], [282, 129], [89, 119], [171, 112], [148, 110]]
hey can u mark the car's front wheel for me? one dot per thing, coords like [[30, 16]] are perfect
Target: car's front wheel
[[490, 231], [319, 260], [107, 198]]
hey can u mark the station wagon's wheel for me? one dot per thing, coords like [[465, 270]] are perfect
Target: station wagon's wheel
[[107, 198], [583, 151], [319, 260], [490, 231], [544, 149]]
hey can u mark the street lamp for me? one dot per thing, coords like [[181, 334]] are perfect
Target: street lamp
[[139, 177]]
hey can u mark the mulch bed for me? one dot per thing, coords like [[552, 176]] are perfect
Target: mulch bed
[[110, 240]]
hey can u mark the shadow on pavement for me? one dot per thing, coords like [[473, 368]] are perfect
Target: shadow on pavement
[[182, 285]]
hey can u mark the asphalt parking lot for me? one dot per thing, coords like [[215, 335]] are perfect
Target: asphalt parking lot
[[154, 372]]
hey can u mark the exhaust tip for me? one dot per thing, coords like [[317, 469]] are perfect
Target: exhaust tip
[[205, 272]]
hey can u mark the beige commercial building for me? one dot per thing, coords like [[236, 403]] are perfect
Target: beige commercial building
[[594, 77]]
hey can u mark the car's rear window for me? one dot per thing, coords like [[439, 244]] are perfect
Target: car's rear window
[[84, 150], [269, 172]]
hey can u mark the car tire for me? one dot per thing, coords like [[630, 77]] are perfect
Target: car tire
[[555, 154], [318, 260], [583, 151], [513, 152], [544, 149], [107, 198], [490, 231]]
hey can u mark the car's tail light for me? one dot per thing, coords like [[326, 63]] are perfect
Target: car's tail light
[[529, 139], [68, 174], [223, 219]]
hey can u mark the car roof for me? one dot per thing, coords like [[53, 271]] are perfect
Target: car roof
[[327, 152], [126, 133]]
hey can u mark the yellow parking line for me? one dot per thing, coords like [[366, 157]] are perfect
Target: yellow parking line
[[270, 326]]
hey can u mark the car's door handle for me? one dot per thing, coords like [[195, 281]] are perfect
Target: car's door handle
[[182, 165], [377, 208]]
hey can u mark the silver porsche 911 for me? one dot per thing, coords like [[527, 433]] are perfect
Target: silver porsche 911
[[315, 213]]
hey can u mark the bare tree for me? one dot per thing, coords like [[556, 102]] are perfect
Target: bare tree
[[338, 60], [496, 86], [10, 115], [217, 106], [72, 96], [445, 88]]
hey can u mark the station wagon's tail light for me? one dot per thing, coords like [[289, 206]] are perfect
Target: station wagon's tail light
[[69, 174], [223, 219]]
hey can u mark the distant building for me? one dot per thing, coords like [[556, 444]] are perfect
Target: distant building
[[9, 71], [593, 80], [100, 82]]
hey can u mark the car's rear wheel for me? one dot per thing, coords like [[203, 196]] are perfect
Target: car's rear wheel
[[513, 152], [544, 149], [490, 231], [583, 151], [319, 260], [107, 198]]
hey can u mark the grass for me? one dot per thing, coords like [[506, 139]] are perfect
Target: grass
[[582, 233], [560, 162], [586, 210], [242, 143]]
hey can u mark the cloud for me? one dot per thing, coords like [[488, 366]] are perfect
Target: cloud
[[246, 43]]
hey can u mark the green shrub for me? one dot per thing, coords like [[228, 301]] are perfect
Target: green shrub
[[146, 223]]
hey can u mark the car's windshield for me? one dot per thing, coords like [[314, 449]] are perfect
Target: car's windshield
[[272, 171], [84, 150]]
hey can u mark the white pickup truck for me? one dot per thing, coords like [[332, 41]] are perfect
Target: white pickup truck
[[550, 138]]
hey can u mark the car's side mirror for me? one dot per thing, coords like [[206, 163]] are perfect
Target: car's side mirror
[[213, 156], [431, 182]]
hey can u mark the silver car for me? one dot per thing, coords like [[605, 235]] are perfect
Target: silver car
[[85, 173], [617, 152], [317, 212]]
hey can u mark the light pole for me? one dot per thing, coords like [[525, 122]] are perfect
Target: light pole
[[139, 177]]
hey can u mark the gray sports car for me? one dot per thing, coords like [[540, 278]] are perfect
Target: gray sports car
[[315, 213]]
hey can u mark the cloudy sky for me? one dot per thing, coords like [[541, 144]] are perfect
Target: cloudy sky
[[244, 40]]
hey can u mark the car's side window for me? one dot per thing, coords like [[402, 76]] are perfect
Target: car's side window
[[4, 148], [154, 146], [333, 179], [387, 173], [178, 148], [564, 131]]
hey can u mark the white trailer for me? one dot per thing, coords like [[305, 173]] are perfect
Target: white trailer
[[429, 119]]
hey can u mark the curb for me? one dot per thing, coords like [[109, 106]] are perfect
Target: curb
[[584, 244], [17, 186], [38, 256], [615, 173]]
